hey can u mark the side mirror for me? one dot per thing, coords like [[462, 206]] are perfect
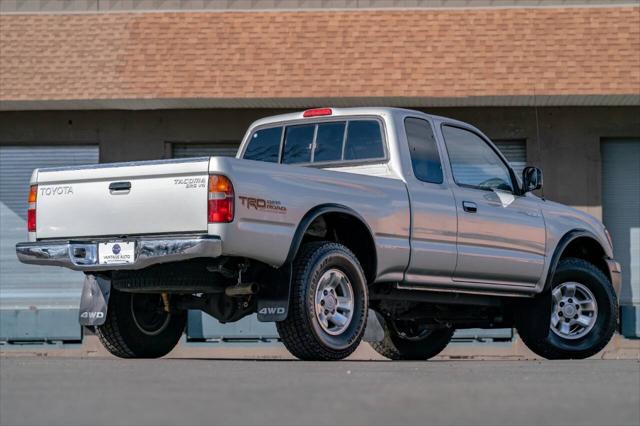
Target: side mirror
[[531, 179]]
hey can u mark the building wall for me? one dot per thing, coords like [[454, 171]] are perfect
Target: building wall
[[567, 149]]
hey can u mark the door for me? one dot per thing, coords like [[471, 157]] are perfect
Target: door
[[36, 302], [621, 216], [433, 211], [501, 235]]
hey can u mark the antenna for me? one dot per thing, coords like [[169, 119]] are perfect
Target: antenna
[[538, 141]]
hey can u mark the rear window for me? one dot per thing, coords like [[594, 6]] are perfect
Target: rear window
[[329, 142], [264, 145], [364, 140], [298, 141], [322, 142]]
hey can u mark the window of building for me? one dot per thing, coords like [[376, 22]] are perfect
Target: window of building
[[425, 159], [473, 162]]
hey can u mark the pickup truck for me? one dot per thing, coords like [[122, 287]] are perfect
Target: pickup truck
[[326, 219]]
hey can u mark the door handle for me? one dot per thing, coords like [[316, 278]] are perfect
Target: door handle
[[119, 187], [469, 207]]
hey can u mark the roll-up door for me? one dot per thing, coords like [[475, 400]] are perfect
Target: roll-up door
[[37, 303], [515, 150], [186, 150], [621, 216]]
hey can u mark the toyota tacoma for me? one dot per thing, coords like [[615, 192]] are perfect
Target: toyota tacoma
[[327, 219]]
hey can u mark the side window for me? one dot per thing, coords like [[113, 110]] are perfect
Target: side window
[[424, 150], [329, 142], [364, 140], [264, 145], [473, 162], [298, 141]]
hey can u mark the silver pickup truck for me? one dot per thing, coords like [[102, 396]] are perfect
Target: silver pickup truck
[[325, 219]]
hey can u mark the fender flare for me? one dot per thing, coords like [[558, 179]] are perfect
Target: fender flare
[[312, 215], [564, 242]]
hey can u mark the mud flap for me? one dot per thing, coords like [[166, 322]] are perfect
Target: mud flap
[[94, 300], [273, 304], [374, 331]]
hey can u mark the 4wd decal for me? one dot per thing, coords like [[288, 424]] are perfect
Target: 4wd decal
[[272, 206]]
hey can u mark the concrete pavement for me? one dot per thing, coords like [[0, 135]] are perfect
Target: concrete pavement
[[44, 390]]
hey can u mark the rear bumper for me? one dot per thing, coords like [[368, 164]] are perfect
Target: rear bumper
[[615, 272], [83, 255]]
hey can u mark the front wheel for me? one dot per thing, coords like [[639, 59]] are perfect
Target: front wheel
[[576, 318], [408, 340], [328, 306], [138, 326]]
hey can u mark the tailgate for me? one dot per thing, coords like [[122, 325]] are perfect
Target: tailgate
[[149, 197]]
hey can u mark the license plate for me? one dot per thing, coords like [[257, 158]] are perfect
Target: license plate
[[118, 252]]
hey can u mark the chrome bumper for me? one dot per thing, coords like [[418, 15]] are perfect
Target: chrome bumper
[[615, 272], [83, 256]]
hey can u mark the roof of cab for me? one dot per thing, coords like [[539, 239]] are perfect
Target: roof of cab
[[337, 112]]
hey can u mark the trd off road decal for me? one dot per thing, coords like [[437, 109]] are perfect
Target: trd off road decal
[[272, 206]]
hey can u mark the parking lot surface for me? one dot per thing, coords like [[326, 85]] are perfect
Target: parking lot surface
[[36, 390]]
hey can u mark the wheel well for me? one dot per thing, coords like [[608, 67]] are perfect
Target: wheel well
[[588, 249], [350, 231]]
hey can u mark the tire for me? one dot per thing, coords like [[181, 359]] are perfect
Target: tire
[[317, 266], [137, 327], [577, 341], [396, 345]]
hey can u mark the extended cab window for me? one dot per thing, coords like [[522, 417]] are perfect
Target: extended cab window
[[364, 140], [424, 151], [264, 145], [473, 162]]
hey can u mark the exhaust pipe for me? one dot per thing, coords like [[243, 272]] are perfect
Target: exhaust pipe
[[242, 289]]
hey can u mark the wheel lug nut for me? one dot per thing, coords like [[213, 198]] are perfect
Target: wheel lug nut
[[575, 316], [577, 306], [561, 304], [326, 312], [570, 300], [325, 292], [560, 314], [322, 303], [567, 320]]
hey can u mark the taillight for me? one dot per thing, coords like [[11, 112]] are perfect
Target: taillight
[[221, 198], [317, 112], [31, 211]]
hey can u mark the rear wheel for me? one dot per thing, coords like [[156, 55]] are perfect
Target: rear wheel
[[576, 318], [138, 326], [328, 307], [408, 340]]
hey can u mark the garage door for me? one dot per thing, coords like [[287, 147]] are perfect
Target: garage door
[[515, 150], [36, 303], [186, 150], [202, 326], [621, 215]]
